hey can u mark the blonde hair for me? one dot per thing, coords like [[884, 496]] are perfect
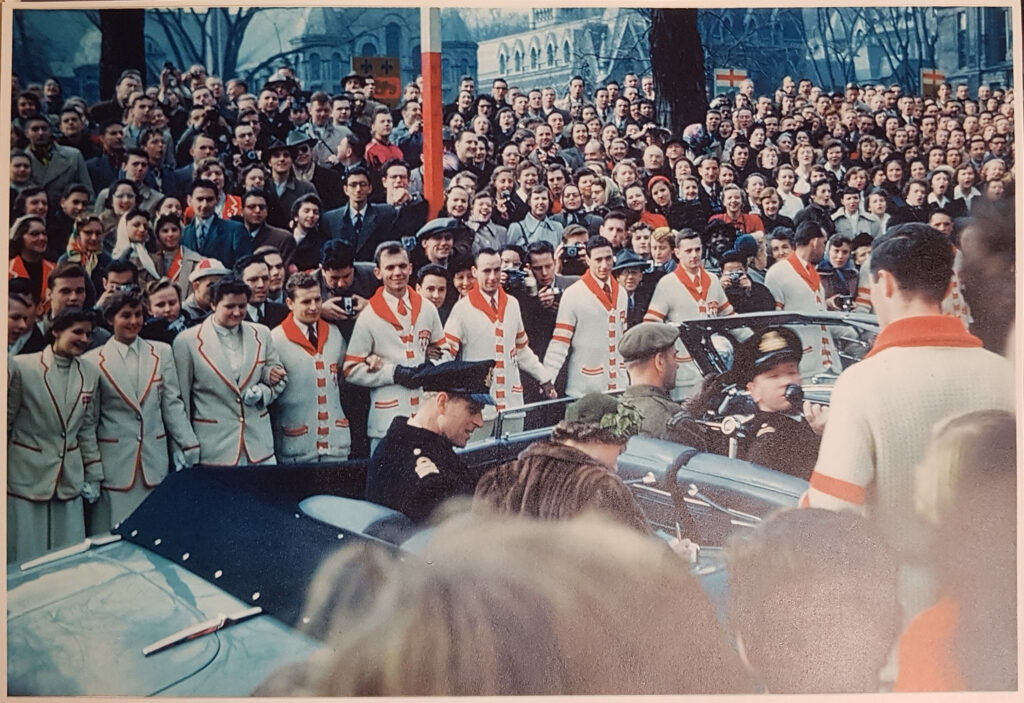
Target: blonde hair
[[964, 448], [498, 606], [663, 235]]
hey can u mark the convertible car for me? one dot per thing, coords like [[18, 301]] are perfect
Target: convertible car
[[200, 590]]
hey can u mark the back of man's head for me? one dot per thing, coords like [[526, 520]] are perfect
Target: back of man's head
[[806, 231], [919, 257], [813, 598]]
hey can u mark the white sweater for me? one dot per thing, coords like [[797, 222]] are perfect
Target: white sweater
[[793, 292], [881, 417], [474, 332], [399, 341], [584, 323], [674, 302], [306, 429]]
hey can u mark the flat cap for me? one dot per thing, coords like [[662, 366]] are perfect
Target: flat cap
[[647, 339], [466, 378], [439, 226], [208, 267], [353, 76]]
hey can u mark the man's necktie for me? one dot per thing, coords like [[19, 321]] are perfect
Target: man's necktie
[[200, 234], [608, 291], [494, 302], [358, 225], [311, 334], [402, 309]]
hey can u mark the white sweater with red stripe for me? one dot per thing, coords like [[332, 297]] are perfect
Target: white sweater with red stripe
[[587, 334], [309, 424], [792, 292], [674, 302], [882, 414], [474, 332], [400, 340]]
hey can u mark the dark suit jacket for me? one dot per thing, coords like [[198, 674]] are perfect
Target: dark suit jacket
[[273, 314], [328, 187], [101, 172], [273, 236], [378, 226], [293, 190], [180, 180], [226, 241], [411, 216], [36, 341]]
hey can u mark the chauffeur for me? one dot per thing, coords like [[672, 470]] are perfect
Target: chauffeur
[[649, 352], [768, 363], [414, 469]]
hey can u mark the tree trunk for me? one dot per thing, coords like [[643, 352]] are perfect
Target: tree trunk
[[123, 46], [677, 64]]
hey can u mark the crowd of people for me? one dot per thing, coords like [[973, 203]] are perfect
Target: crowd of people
[[204, 274]]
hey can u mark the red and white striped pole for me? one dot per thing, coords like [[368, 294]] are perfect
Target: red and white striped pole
[[433, 149]]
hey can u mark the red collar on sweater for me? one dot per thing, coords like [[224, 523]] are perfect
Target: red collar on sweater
[[924, 331]]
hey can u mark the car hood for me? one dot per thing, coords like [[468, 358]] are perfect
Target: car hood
[[77, 626]]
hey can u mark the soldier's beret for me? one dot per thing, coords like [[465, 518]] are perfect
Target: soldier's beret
[[647, 339]]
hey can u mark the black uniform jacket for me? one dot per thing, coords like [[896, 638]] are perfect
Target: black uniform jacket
[[782, 443], [414, 470]]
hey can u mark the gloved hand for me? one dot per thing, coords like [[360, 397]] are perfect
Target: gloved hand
[[406, 375], [190, 457], [91, 491], [253, 397]]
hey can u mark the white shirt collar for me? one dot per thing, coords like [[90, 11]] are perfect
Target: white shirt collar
[[123, 348], [227, 331]]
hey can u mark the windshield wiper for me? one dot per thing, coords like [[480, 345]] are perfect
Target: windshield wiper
[[80, 548], [204, 628]]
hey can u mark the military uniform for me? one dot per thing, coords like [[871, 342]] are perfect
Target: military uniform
[[656, 407], [779, 440], [661, 417], [782, 442], [413, 470]]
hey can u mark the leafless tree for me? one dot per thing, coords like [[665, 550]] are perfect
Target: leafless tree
[[907, 37]]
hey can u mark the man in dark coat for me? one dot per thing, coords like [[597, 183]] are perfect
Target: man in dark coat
[[414, 468], [210, 235], [362, 224]]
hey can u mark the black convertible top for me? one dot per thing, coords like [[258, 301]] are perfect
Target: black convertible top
[[241, 528]]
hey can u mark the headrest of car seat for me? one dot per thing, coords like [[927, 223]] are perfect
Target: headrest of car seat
[[360, 516]]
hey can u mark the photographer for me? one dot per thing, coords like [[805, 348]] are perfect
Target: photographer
[[744, 294], [345, 286], [243, 150], [838, 274], [569, 256]]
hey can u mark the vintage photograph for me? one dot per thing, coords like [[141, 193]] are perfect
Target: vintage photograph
[[416, 351]]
